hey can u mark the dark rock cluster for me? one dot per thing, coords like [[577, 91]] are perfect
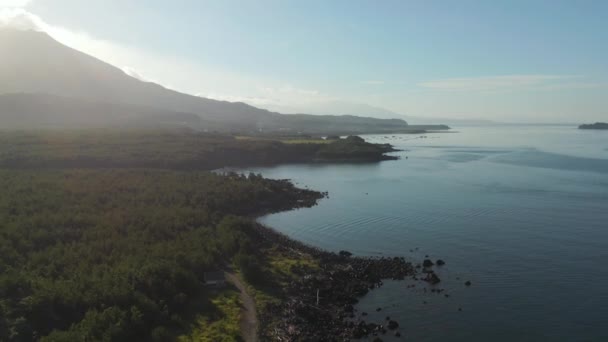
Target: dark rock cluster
[[319, 306]]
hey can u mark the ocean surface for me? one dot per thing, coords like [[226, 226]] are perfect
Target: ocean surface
[[520, 211]]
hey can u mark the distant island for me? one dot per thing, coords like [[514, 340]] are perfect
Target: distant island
[[597, 125]]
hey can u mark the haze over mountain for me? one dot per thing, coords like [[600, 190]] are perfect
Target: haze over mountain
[[366, 110], [34, 63]]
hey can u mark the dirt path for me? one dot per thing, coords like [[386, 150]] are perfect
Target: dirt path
[[249, 317]]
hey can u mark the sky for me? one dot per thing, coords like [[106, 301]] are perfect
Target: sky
[[510, 61]]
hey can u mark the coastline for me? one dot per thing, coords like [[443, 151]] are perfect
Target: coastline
[[319, 299]]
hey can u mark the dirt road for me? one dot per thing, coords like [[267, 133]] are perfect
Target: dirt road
[[249, 317]]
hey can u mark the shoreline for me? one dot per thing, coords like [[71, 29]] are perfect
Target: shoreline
[[319, 303]]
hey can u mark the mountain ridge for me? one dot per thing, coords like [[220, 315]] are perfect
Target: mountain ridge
[[35, 63]]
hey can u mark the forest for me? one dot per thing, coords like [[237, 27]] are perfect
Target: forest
[[105, 235], [173, 149], [118, 255]]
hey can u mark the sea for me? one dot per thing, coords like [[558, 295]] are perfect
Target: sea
[[519, 211]]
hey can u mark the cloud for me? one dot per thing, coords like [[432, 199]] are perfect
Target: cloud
[[254, 101], [135, 74], [20, 19], [508, 82], [274, 97], [14, 3], [372, 82]]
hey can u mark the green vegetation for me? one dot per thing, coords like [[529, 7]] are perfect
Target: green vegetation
[[286, 139], [352, 148], [105, 235], [222, 328], [277, 267], [119, 254], [171, 149]]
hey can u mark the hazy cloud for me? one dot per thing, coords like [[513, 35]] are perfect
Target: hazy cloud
[[274, 97], [508, 82], [372, 82], [254, 101], [14, 3], [20, 19], [133, 73]]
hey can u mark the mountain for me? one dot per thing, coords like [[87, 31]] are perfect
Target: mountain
[[35, 63], [366, 110], [338, 108], [22, 111]]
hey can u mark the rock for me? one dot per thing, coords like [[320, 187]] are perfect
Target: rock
[[468, 283], [345, 254], [427, 263], [392, 325], [378, 309], [432, 278], [397, 334], [377, 339], [440, 262]]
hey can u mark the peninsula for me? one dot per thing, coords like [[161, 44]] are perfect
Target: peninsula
[[597, 125]]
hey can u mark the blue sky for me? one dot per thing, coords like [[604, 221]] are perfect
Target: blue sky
[[507, 61]]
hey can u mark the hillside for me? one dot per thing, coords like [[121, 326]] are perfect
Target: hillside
[[34, 63], [39, 111]]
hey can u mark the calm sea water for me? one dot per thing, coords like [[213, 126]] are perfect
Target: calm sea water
[[522, 212]]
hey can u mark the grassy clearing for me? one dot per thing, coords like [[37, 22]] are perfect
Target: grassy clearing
[[285, 140], [280, 267], [223, 327], [284, 266]]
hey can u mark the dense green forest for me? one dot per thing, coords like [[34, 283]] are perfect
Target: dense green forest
[[172, 149], [92, 255]]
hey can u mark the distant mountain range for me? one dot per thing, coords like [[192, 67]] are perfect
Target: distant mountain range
[[366, 110], [46, 84]]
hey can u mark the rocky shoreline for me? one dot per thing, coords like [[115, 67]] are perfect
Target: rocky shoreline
[[320, 303]]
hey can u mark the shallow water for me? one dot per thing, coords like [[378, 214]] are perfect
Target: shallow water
[[522, 212]]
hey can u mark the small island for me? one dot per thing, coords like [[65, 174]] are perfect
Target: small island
[[597, 125]]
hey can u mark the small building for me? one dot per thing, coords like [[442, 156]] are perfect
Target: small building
[[214, 279]]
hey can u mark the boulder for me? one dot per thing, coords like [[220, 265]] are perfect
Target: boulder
[[432, 278], [345, 254]]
